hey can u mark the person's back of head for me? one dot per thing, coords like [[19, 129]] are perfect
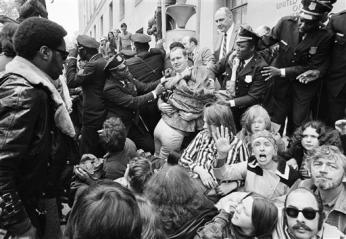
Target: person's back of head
[[6, 39], [151, 225], [113, 135], [105, 211], [139, 172]]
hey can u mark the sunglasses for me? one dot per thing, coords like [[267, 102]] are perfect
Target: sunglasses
[[64, 54], [308, 213]]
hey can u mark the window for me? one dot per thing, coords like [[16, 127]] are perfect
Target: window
[[239, 9], [101, 26], [111, 16], [121, 10]]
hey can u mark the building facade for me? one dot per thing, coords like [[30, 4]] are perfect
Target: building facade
[[98, 17]]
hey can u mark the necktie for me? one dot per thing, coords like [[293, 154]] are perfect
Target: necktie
[[224, 46]]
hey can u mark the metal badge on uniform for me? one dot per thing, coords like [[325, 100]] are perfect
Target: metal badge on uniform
[[312, 6], [340, 34], [313, 50], [248, 78]]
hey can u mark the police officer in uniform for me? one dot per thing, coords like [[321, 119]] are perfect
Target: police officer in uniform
[[304, 45], [336, 77], [91, 79], [124, 96], [147, 66], [245, 86]]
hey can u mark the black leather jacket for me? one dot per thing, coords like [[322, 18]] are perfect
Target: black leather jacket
[[26, 134]]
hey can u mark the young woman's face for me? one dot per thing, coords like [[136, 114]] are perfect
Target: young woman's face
[[243, 214], [310, 139], [258, 124]]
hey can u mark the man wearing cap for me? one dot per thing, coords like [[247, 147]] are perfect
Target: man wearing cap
[[245, 86], [147, 66], [304, 45], [91, 79], [124, 96]]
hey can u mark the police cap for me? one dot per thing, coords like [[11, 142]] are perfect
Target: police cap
[[314, 9], [114, 62], [246, 34], [140, 38], [88, 42]]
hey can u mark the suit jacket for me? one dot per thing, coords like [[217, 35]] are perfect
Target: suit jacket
[[124, 98], [92, 81], [336, 78], [203, 57], [232, 44]]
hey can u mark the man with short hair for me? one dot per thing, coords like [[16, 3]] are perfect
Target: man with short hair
[[303, 218], [92, 79], [328, 167], [245, 86], [228, 32], [33, 117], [201, 56]]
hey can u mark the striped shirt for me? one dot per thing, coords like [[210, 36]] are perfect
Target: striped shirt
[[202, 152]]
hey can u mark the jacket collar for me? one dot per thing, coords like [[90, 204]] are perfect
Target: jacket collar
[[36, 77]]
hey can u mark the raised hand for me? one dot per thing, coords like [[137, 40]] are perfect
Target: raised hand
[[222, 141]]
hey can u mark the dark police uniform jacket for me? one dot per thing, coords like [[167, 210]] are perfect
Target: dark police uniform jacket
[[296, 56], [250, 87], [92, 81], [123, 98], [336, 78]]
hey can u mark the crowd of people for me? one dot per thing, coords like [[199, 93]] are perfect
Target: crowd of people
[[243, 141]]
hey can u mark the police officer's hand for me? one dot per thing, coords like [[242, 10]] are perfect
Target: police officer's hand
[[73, 52], [206, 178], [82, 175], [269, 72], [308, 76], [159, 89], [186, 73]]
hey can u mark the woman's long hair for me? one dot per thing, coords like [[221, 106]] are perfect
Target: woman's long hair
[[326, 135], [264, 217], [202, 76], [6, 39], [151, 224], [251, 114], [175, 197]]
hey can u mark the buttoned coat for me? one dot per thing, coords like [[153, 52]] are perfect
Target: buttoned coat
[[123, 98], [296, 57], [336, 78]]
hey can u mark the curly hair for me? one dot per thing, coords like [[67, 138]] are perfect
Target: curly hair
[[6, 39], [151, 225], [35, 32], [176, 197], [139, 173], [103, 211], [325, 135], [114, 134]]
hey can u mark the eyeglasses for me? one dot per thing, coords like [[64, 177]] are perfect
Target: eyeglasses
[[308, 213], [64, 54]]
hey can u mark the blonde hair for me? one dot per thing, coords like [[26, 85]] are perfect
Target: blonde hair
[[251, 114]]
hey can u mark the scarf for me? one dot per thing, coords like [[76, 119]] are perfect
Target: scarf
[[36, 77]]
